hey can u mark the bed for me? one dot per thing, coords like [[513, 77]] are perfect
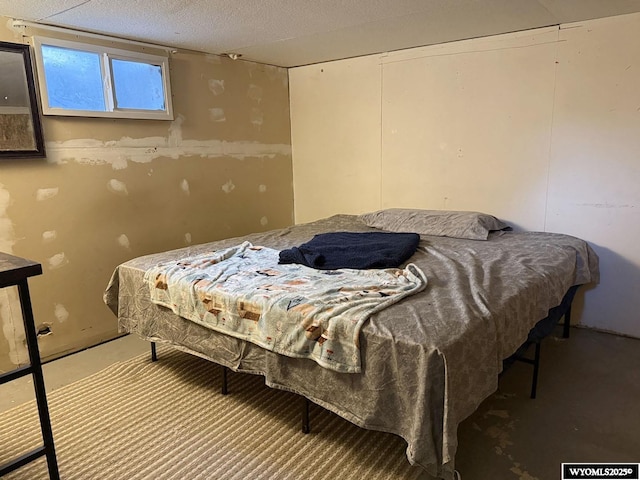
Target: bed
[[427, 361]]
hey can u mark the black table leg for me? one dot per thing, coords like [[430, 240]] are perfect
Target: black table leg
[[38, 379]]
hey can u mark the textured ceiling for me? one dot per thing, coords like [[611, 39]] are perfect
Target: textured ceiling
[[299, 32]]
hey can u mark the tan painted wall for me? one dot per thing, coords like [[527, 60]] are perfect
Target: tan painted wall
[[113, 189], [539, 128]]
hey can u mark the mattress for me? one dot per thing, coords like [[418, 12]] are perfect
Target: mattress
[[428, 361]]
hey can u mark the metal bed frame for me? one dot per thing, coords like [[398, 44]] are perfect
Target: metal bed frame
[[541, 330]]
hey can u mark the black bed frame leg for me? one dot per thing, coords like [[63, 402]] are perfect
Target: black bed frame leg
[[224, 390], [567, 322], [306, 428], [536, 366], [154, 354]]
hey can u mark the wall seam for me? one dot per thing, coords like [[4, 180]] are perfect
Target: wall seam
[[551, 130], [380, 194]]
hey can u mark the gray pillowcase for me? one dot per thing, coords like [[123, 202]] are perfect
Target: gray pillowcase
[[443, 223]]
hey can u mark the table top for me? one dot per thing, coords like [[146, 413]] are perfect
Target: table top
[[15, 269]]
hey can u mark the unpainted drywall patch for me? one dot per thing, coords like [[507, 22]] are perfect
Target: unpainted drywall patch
[[49, 236], [43, 194], [264, 221], [251, 68], [57, 261], [60, 312], [187, 238], [277, 73], [256, 117], [117, 187], [10, 310], [184, 186], [216, 86], [7, 233], [255, 93], [262, 188], [273, 73], [120, 163], [175, 131], [217, 115], [228, 187], [123, 241], [145, 150], [12, 329]]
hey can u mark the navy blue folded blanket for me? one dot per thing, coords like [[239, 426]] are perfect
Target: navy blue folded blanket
[[328, 251]]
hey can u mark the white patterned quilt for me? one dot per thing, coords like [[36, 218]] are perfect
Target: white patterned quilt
[[290, 309]]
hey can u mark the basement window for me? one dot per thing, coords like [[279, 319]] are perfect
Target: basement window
[[78, 79]]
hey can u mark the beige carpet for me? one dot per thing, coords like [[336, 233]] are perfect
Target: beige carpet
[[167, 420]]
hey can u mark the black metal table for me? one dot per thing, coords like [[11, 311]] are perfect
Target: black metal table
[[16, 271]]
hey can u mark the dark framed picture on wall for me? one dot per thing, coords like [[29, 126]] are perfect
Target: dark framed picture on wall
[[20, 126]]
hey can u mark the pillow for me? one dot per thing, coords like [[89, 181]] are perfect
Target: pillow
[[443, 223]]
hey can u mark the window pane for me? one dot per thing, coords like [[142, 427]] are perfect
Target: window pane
[[137, 85], [74, 79]]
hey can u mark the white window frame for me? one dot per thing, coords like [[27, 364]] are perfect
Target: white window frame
[[106, 54]]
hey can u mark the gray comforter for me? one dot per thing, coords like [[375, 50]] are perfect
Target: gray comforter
[[427, 361]]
